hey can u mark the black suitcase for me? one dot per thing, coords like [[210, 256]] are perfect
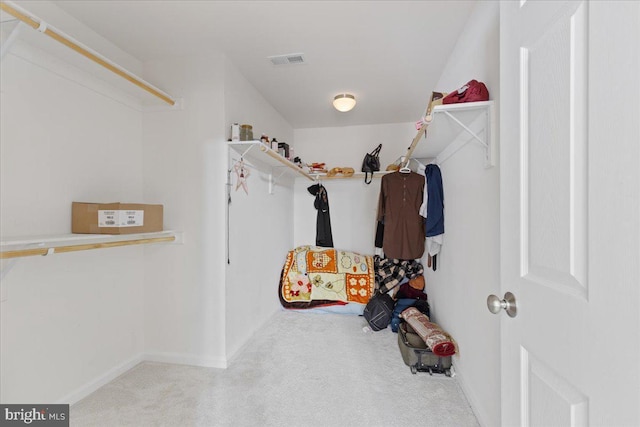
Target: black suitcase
[[418, 356]]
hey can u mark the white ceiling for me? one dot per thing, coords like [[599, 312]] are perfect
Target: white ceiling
[[389, 54]]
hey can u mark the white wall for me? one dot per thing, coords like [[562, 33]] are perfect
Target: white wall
[[70, 322], [469, 264], [352, 203], [184, 168], [260, 224]]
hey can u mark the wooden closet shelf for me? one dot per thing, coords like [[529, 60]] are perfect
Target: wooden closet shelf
[[267, 160], [47, 245]]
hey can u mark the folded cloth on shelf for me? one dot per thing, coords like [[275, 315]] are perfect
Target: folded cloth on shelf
[[440, 342]]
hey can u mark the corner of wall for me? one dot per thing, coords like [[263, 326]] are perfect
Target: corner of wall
[[185, 169], [469, 269], [260, 224]]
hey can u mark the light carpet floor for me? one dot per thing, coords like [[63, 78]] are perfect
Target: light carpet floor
[[300, 369]]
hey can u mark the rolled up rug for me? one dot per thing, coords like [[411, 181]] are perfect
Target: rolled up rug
[[440, 342]]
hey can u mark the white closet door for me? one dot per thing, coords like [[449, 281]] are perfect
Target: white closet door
[[570, 212]]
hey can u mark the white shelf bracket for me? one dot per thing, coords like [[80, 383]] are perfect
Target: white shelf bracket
[[470, 122], [6, 46], [246, 151], [5, 268], [469, 131], [487, 144], [274, 180], [7, 265]]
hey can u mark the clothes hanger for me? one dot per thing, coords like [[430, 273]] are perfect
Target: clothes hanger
[[405, 168]]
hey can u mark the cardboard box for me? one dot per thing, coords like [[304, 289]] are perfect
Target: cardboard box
[[115, 218]]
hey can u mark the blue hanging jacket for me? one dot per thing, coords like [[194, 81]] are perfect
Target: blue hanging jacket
[[434, 224]]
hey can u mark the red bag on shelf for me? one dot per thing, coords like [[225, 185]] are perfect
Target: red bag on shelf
[[473, 91]]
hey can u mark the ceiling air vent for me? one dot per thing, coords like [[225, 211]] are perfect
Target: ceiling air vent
[[290, 59]]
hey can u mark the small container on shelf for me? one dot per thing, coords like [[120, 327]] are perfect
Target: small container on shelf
[[235, 132], [246, 133], [283, 149]]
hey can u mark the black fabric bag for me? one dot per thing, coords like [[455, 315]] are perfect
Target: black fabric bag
[[379, 310], [371, 163]]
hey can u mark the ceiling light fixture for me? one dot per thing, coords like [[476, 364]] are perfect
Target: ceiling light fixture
[[344, 102]]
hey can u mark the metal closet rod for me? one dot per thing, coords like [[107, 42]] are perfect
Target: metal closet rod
[[82, 50]]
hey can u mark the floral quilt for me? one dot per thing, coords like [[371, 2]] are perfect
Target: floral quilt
[[316, 277]]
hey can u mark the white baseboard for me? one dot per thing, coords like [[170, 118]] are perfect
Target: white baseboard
[[471, 397], [84, 391], [179, 359], [186, 359]]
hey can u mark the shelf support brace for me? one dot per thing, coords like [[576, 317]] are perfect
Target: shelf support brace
[[460, 141], [469, 131], [7, 265], [246, 151], [273, 181], [6, 46]]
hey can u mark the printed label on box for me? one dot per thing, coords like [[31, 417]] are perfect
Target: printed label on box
[[108, 218], [131, 218], [121, 218]]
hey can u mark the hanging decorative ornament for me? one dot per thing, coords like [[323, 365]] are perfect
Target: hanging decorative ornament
[[242, 173]]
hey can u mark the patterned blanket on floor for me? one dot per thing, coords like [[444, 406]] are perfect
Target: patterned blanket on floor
[[315, 277]]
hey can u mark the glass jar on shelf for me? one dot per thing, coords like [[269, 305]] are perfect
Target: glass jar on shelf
[[246, 133]]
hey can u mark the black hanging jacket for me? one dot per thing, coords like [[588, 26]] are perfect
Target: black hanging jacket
[[323, 221]]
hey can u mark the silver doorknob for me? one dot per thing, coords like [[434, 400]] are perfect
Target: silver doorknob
[[495, 304]]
